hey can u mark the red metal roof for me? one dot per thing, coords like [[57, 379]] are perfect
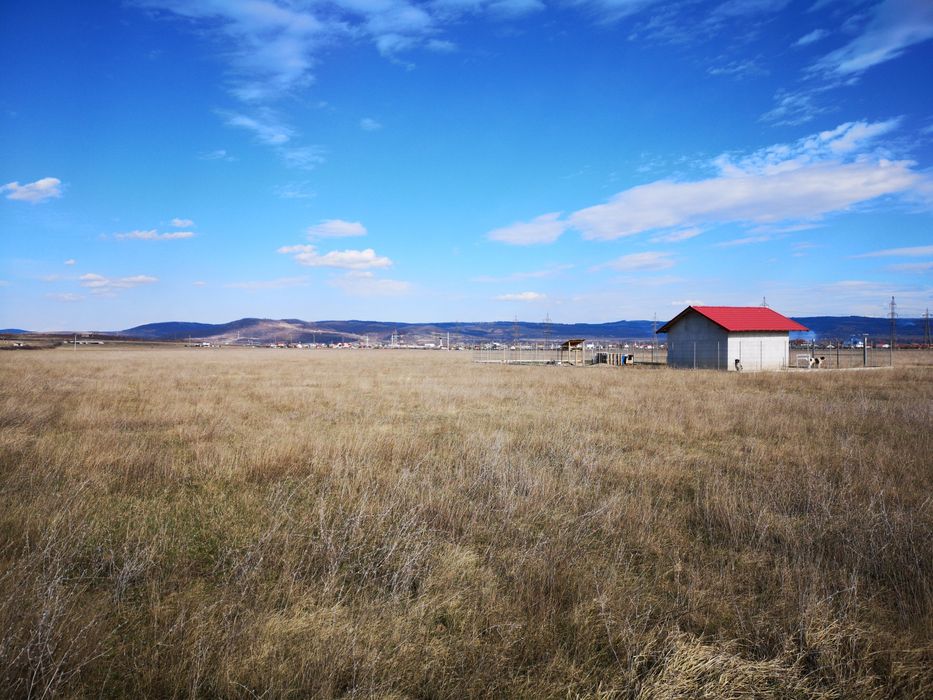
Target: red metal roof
[[740, 318]]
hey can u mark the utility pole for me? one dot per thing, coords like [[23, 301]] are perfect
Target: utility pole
[[893, 317], [516, 331], [926, 327], [654, 336]]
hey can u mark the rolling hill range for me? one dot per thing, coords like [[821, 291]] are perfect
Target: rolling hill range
[[259, 330]]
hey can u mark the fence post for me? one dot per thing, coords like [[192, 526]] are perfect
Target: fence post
[[694, 354]]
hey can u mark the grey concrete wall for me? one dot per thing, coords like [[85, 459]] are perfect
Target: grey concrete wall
[[695, 341]]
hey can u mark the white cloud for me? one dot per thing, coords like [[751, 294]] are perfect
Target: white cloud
[[218, 154], [793, 184], [182, 223], [649, 260], [910, 252], [522, 296], [266, 127], [70, 261], [34, 192], [336, 228], [345, 259], [280, 283], [64, 296], [552, 271], [811, 37], [744, 240], [294, 190], [677, 236], [546, 228], [271, 46], [107, 286], [815, 176], [153, 235], [515, 8], [366, 284], [302, 157], [369, 124], [918, 267], [794, 108], [895, 26], [199, 283]]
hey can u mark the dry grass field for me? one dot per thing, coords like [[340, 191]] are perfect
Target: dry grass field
[[259, 523]]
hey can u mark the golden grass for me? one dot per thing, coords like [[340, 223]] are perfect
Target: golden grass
[[243, 523]]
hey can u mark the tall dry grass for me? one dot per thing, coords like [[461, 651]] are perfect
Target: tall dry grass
[[266, 523]]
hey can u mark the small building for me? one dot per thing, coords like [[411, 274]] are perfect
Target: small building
[[729, 337], [572, 352]]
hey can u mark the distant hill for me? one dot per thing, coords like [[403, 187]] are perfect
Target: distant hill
[[264, 330], [12, 331]]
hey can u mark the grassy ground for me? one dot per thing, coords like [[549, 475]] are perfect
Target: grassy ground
[[244, 523]]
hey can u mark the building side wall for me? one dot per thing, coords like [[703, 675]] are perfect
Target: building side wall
[[695, 341], [759, 351]]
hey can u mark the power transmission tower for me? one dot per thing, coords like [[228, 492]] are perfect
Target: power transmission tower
[[764, 302], [926, 327], [546, 330], [515, 331]]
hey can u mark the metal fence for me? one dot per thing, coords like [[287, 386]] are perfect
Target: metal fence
[[737, 354], [640, 352]]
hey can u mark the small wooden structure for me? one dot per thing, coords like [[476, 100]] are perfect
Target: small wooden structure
[[615, 359], [572, 352]]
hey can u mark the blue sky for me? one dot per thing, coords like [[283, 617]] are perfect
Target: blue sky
[[592, 160]]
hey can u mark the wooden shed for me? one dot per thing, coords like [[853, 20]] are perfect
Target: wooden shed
[[572, 352]]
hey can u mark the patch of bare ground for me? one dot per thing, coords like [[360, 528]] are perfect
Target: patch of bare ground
[[244, 523]]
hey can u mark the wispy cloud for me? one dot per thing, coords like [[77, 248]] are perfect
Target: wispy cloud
[[256, 285], [648, 260], [522, 296], [182, 223], [265, 127], [64, 296], [917, 267], [744, 240], [154, 235], [795, 107], [787, 184], [546, 228], [108, 286], [552, 271], [369, 124], [818, 175], [895, 26], [34, 192], [302, 157], [909, 252], [217, 154], [742, 68], [346, 259], [683, 234], [811, 37], [336, 228], [365, 284], [294, 190], [70, 261]]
